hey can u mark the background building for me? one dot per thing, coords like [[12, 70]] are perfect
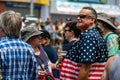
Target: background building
[[59, 9], [69, 8], [40, 7]]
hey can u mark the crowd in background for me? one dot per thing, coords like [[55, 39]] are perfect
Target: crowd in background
[[54, 28]]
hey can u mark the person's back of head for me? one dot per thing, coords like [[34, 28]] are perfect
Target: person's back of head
[[45, 34], [45, 38], [10, 22]]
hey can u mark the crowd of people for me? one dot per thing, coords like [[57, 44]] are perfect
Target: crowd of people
[[55, 29], [91, 47]]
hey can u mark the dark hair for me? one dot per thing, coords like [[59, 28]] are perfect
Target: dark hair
[[45, 34], [93, 12], [72, 27]]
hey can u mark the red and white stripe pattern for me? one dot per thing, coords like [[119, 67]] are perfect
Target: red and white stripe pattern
[[70, 70]]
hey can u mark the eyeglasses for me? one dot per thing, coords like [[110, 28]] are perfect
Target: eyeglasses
[[66, 30], [81, 15]]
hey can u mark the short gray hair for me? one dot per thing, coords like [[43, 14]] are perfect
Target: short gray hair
[[93, 12], [10, 22]]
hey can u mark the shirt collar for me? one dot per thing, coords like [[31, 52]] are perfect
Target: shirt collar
[[6, 38], [88, 30]]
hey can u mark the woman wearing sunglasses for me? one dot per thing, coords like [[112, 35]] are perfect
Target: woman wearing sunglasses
[[71, 34]]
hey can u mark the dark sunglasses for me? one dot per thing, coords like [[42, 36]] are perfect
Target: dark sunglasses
[[81, 15], [66, 30]]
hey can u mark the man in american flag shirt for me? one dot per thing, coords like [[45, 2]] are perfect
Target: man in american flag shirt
[[87, 57]]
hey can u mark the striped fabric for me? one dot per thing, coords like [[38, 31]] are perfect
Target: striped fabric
[[70, 70]]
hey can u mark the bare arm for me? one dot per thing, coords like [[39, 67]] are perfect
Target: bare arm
[[84, 71], [105, 75]]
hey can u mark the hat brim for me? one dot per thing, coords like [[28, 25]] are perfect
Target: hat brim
[[108, 22], [34, 34]]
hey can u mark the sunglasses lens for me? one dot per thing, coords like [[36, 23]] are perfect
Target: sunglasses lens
[[66, 30], [81, 15]]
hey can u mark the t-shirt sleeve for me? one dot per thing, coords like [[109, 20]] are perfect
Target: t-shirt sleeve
[[112, 45], [88, 50]]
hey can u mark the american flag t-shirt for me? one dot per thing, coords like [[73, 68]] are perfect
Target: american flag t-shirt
[[70, 70], [90, 47]]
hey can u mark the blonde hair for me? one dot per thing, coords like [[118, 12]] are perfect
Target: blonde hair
[[10, 22]]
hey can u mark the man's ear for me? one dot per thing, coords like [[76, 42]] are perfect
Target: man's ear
[[92, 20]]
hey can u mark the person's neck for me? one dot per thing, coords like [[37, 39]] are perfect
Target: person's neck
[[72, 39], [47, 43], [106, 32], [88, 27], [34, 48], [37, 51]]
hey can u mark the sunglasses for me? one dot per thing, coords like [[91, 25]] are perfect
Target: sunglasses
[[66, 30], [81, 15]]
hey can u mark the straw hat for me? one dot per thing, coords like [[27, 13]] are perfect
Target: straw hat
[[107, 19]]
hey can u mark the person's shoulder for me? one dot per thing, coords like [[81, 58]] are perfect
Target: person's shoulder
[[25, 44], [90, 32], [21, 43], [112, 35], [49, 47], [14, 44], [26, 47], [90, 35]]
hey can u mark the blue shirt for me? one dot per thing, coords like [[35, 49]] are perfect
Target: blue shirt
[[52, 54], [90, 47], [114, 69], [17, 59], [48, 27], [67, 46]]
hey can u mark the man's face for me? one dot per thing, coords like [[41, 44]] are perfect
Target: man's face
[[84, 19]]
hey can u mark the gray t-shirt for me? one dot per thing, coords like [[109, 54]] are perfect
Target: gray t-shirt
[[114, 73]]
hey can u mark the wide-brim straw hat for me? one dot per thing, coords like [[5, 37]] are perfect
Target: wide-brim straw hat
[[29, 32], [107, 19]]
